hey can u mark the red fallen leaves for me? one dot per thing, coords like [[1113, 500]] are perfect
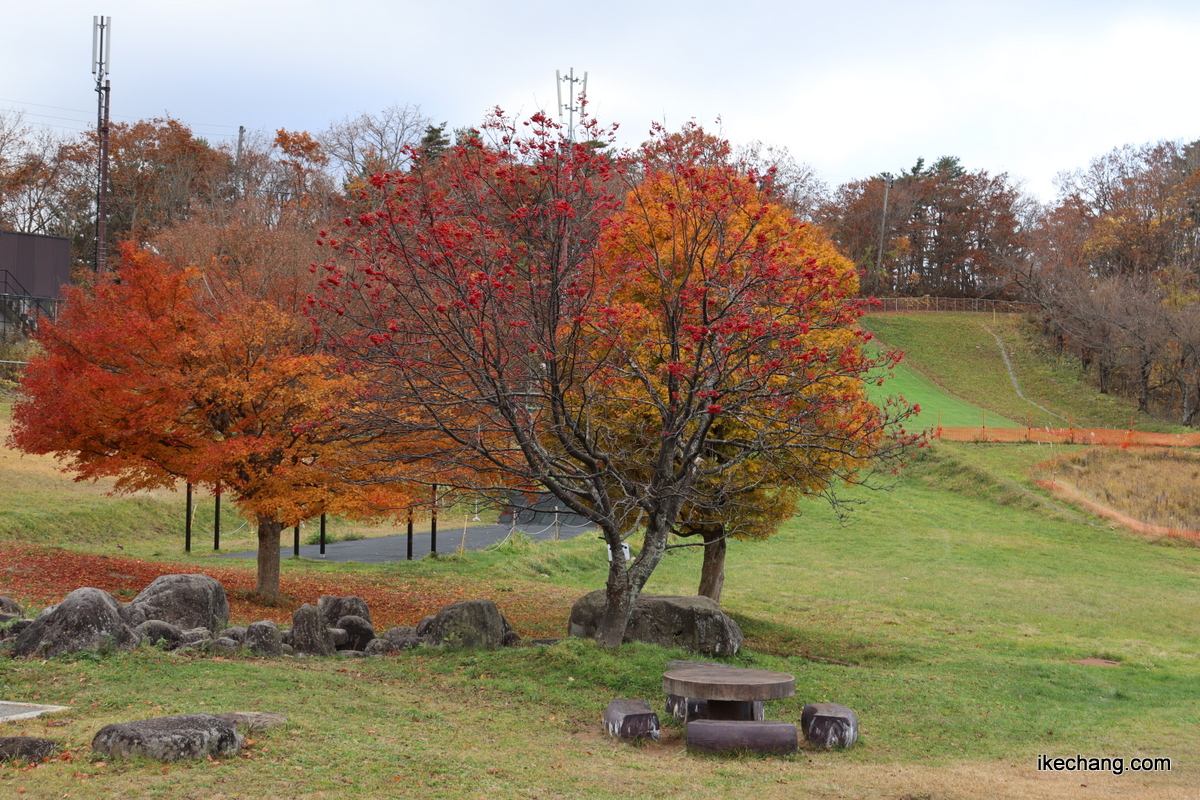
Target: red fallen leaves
[[41, 576]]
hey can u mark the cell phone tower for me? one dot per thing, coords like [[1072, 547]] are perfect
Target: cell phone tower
[[101, 60], [576, 101]]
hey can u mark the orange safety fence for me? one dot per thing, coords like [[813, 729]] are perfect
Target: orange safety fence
[[1068, 436], [1146, 529]]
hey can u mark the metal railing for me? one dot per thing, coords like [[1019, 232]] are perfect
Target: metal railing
[[950, 304], [20, 311]]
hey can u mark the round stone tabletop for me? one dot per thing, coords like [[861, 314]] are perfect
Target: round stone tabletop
[[729, 683]]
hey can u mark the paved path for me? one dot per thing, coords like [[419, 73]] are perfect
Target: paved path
[[395, 548]]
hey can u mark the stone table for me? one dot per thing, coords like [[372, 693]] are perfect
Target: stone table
[[730, 691]]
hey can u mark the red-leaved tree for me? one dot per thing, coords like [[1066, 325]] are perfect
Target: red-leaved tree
[[630, 333]]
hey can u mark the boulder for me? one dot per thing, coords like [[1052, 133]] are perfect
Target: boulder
[[186, 601], [181, 737], [237, 633], [86, 619], [399, 632], [691, 623], [334, 608], [829, 725], [359, 632], [309, 632], [263, 639], [380, 647], [469, 624], [222, 646], [339, 638], [157, 633], [424, 625], [409, 642], [26, 748], [195, 636], [10, 606]]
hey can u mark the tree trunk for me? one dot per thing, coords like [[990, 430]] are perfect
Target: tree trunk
[[625, 580], [1144, 386], [269, 531], [712, 571]]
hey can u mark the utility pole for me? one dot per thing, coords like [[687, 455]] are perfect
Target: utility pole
[[237, 164], [575, 102], [887, 185], [101, 50]]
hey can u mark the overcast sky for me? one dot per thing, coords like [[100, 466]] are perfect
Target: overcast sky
[[854, 88]]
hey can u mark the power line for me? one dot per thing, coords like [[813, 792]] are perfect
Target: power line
[[121, 116]]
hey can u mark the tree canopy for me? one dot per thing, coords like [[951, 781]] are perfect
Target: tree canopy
[[625, 331], [165, 373]]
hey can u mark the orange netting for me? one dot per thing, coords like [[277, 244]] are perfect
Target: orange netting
[[1068, 436]]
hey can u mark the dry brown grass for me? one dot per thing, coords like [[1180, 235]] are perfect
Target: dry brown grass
[[1151, 485]]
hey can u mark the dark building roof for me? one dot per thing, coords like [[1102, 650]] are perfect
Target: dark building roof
[[36, 265]]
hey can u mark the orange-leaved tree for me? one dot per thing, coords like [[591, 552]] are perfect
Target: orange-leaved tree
[[729, 326], [162, 374]]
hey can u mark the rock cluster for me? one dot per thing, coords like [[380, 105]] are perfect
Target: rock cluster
[[178, 612]]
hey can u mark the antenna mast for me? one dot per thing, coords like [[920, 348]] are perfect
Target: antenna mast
[[576, 102], [101, 46]]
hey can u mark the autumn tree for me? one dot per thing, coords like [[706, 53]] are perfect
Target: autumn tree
[[1114, 263], [947, 231], [161, 374], [530, 313]]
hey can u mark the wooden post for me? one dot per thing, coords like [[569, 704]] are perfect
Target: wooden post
[[217, 522], [322, 534], [296, 541], [410, 527], [433, 524], [187, 525]]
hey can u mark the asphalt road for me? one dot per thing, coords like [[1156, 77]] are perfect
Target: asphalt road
[[395, 548]]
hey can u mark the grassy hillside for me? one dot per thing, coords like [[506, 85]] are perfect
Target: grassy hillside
[[959, 352], [950, 610]]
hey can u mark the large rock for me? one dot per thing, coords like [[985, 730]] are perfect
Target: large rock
[[186, 601], [86, 619], [399, 632], [471, 623], [158, 633], [237, 633], [358, 632], [178, 738], [693, 623], [26, 748], [309, 632], [380, 647], [263, 639], [10, 606], [334, 608]]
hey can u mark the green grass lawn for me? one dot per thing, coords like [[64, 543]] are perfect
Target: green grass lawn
[[948, 610]]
